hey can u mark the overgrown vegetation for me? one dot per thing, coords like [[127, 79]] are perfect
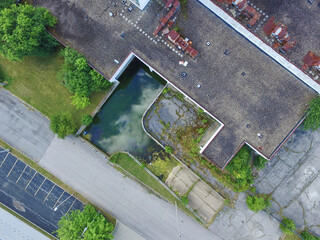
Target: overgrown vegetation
[[168, 149], [162, 165], [87, 224], [288, 226], [240, 169], [308, 236], [260, 162], [62, 124], [312, 120], [80, 79], [23, 32], [257, 203]]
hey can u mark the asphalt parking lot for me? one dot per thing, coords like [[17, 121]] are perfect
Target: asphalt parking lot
[[33, 196]]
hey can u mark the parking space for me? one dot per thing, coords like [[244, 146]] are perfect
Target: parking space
[[32, 195]]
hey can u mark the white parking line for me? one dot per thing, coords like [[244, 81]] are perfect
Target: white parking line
[[4, 159], [39, 187], [21, 173], [49, 193], [12, 167], [31, 180], [71, 205], [58, 199]]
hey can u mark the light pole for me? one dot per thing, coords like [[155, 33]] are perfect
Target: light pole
[[85, 229], [56, 208]]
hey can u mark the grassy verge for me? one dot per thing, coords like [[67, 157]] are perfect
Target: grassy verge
[[53, 178], [25, 221], [127, 163], [37, 81]]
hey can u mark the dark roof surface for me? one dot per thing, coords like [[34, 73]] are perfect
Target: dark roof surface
[[244, 87]]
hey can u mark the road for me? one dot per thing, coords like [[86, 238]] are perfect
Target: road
[[89, 174], [23, 127]]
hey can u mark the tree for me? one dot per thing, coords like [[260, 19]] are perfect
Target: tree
[[62, 124], [23, 32], [288, 226], [87, 224], [185, 200], [258, 202], [80, 79], [312, 120], [86, 119]]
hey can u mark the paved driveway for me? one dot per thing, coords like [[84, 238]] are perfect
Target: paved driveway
[[293, 179], [23, 127], [89, 174]]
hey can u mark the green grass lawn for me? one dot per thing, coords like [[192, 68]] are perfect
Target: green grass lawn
[[127, 163], [37, 82]]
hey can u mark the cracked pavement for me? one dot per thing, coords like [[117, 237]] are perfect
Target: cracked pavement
[[292, 177]]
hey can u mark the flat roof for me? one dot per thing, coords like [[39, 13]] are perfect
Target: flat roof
[[244, 87]]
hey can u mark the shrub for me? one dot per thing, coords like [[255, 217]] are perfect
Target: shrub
[[312, 120], [288, 227], [308, 236], [86, 119], [185, 200], [260, 162], [257, 203], [6, 3], [200, 130], [62, 124], [168, 149]]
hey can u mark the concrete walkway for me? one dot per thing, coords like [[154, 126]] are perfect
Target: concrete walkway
[[12, 228], [261, 45], [122, 232]]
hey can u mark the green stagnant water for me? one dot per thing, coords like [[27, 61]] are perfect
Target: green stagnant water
[[117, 127]]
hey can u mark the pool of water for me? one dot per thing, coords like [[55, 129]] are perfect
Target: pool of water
[[118, 124]]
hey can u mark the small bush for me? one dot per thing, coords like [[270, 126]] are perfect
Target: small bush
[[185, 200], [312, 120], [288, 227], [307, 236], [260, 162], [62, 124], [257, 203], [168, 149], [86, 119], [200, 130]]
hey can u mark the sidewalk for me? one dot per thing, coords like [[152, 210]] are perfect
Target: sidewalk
[[12, 228]]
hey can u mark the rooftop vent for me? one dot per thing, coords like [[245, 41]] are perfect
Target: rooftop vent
[[248, 126], [208, 43], [226, 52], [184, 74], [260, 135], [243, 73]]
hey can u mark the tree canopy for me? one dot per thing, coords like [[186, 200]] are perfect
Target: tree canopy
[[87, 224], [6, 3], [312, 120], [80, 79], [23, 32], [62, 124]]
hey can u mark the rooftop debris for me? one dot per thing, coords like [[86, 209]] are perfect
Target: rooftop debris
[[248, 11], [183, 44], [165, 23], [278, 32], [311, 60], [164, 20]]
